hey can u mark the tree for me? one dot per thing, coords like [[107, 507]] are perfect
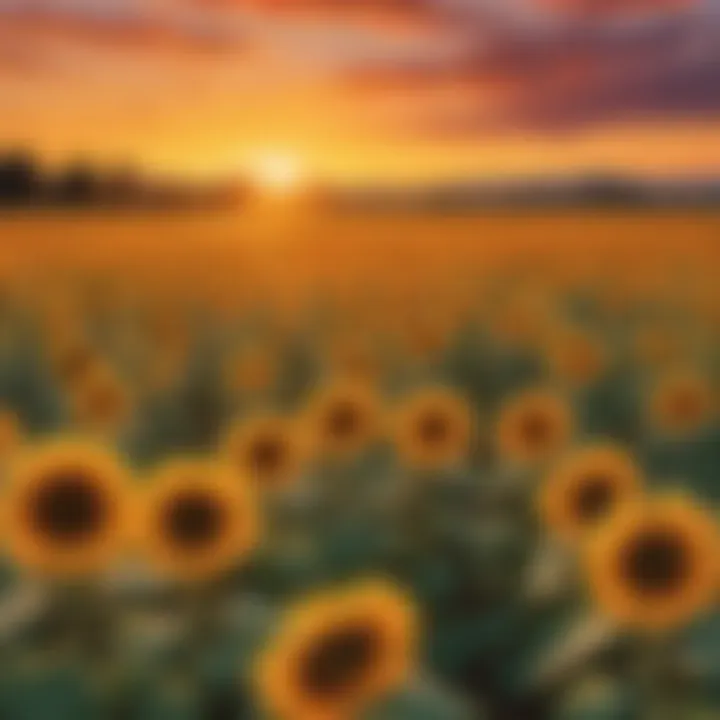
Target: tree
[[77, 184], [20, 179]]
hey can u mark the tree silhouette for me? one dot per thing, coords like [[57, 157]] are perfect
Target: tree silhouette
[[20, 178], [77, 185], [23, 181]]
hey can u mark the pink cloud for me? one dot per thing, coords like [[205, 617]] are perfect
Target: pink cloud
[[388, 14], [610, 8], [132, 32]]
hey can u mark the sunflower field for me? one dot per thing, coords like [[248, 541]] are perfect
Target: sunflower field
[[374, 468]]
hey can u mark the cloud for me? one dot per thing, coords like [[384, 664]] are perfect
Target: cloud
[[556, 78], [543, 65], [679, 79], [616, 8], [16, 62], [124, 27], [387, 16]]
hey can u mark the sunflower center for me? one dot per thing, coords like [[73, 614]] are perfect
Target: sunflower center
[[686, 406], [593, 498], [339, 660], [343, 420], [267, 454], [433, 428], [355, 361], [69, 507], [656, 562], [535, 429], [194, 519]]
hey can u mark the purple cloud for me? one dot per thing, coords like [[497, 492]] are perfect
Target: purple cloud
[[563, 76]]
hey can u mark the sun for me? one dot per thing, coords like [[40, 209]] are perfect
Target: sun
[[277, 173]]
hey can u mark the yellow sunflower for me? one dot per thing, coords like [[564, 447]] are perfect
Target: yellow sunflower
[[353, 357], [271, 449], [424, 335], [252, 370], [575, 356], [335, 653], [58, 314], [343, 419], [523, 320], [67, 509], [655, 564], [73, 359], [587, 487], [166, 327], [100, 400], [682, 402], [534, 426], [434, 428], [656, 345], [198, 519], [11, 434]]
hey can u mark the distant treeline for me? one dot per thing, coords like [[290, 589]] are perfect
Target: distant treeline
[[24, 181], [590, 191]]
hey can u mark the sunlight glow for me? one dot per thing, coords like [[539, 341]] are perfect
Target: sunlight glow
[[277, 173]]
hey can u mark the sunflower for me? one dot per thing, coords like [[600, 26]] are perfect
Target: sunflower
[[523, 320], [534, 426], [424, 335], [253, 370], [434, 428], [657, 345], [57, 313], [11, 434], [73, 359], [334, 654], [67, 509], [587, 487], [353, 357], [158, 371], [271, 449], [655, 564], [101, 399], [166, 328], [682, 402], [197, 520], [343, 418], [575, 356]]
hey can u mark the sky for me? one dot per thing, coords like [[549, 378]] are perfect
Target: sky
[[382, 90]]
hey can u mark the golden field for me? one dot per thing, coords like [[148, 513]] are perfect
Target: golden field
[[280, 235], [277, 465]]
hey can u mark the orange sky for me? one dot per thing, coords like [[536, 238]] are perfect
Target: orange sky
[[146, 92]]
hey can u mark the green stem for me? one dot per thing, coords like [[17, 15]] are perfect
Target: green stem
[[657, 698]]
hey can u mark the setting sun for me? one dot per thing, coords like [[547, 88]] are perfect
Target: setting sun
[[277, 173]]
